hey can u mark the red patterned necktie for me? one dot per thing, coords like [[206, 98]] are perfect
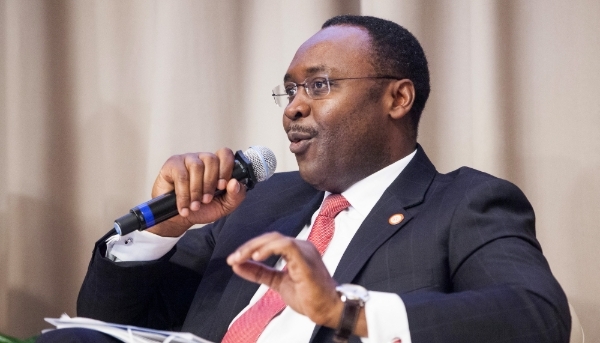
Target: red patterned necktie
[[250, 325]]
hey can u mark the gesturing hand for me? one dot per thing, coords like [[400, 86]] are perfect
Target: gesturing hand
[[305, 284]]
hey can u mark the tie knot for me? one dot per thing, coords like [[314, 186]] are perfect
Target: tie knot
[[333, 204]]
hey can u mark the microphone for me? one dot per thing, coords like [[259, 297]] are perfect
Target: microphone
[[253, 165]]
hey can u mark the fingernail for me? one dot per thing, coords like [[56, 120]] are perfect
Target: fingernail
[[221, 184], [195, 206], [184, 212], [255, 256], [206, 198], [237, 187]]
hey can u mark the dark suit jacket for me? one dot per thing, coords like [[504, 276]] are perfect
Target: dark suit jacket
[[464, 260]]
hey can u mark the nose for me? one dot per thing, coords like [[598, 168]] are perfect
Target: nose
[[299, 107]]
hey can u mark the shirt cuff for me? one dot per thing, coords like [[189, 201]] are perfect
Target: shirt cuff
[[387, 320], [139, 246]]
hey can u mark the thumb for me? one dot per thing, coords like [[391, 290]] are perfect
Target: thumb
[[233, 197]]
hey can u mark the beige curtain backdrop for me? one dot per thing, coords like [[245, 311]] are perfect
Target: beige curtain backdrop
[[96, 95]]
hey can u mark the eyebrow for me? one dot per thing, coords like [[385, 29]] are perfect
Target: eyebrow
[[309, 71]]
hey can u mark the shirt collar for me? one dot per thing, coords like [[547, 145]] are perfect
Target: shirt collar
[[364, 194]]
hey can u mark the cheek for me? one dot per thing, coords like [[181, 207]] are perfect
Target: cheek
[[359, 129], [339, 137], [346, 118], [332, 114], [285, 121]]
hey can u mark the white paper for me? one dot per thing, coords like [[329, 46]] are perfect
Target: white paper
[[125, 333]]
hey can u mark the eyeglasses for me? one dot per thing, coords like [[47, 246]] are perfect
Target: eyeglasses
[[317, 87]]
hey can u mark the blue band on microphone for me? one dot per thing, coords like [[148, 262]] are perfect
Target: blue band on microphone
[[147, 213]]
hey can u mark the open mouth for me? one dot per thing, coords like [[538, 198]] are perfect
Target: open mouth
[[299, 141]]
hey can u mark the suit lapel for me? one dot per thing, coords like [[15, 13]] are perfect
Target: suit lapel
[[408, 190]]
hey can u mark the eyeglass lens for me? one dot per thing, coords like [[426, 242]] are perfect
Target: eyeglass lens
[[316, 88]]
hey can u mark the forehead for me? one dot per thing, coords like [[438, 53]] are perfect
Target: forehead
[[340, 51]]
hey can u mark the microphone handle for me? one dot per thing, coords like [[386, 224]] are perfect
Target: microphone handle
[[163, 207]]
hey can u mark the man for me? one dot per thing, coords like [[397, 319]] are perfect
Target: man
[[444, 257]]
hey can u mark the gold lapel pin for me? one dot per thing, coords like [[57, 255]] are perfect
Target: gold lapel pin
[[396, 219]]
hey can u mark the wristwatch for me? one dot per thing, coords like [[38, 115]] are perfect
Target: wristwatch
[[354, 298]]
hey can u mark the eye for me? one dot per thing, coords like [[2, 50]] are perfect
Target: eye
[[291, 89], [319, 86]]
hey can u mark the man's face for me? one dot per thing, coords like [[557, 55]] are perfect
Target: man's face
[[343, 138]]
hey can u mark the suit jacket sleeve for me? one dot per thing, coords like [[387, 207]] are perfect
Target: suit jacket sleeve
[[501, 288], [185, 287], [154, 294]]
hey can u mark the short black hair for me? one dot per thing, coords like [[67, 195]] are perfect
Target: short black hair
[[396, 52]]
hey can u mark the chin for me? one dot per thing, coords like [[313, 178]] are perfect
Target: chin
[[312, 176], [322, 180]]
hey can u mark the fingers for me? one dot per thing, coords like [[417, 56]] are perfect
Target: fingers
[[217, 172], [218, 208], [305, 284], [258, 273], [234, 194], [207, 181], [191, 175], [298, 255], [260, 248], [188, 184], [226, 164], [195, 178]]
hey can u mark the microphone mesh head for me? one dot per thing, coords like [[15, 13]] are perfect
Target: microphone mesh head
[[263, 161]]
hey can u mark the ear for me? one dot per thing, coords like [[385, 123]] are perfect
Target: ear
[[403, 96]]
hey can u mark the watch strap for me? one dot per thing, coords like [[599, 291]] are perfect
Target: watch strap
[[348, 320]]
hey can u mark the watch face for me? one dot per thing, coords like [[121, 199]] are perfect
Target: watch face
[[353, 292]]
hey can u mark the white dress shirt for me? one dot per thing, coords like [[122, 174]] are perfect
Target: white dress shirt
[[385, 312]]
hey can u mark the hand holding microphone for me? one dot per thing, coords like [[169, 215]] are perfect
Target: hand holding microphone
[[201, 187]]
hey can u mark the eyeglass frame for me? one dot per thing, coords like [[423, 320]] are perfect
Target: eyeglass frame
[[328, 80]]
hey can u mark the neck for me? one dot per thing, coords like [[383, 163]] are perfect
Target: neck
[[369, 166]]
